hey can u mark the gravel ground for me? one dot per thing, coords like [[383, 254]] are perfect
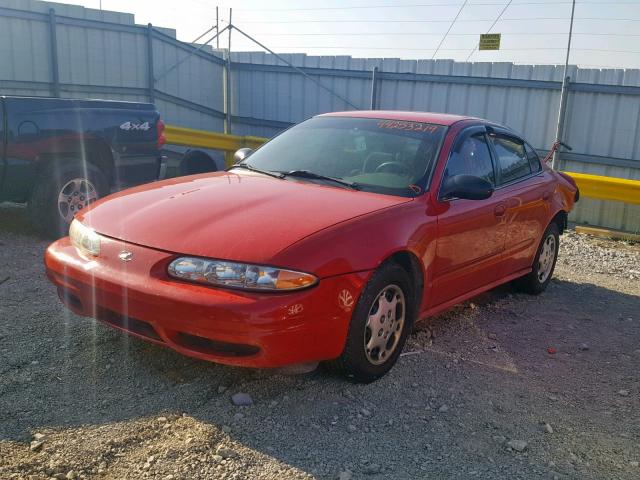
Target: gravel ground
[[476, 394]]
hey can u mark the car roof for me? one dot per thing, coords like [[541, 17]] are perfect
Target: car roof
[[425, 117]]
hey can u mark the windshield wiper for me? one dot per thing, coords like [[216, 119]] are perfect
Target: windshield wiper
[[251, 168], [317, 176]]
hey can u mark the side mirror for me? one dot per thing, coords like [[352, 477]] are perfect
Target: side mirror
[[241, 154], [468, 187]]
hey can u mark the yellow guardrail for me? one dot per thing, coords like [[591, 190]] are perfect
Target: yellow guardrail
[[216, 141], [592, 186], [607, 188]]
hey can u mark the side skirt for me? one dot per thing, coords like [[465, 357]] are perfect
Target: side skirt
[[450, 303]]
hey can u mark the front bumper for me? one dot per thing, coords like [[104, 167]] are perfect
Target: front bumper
[[233, 327]]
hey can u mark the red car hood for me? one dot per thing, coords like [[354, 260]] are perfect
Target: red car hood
[[247, 217]]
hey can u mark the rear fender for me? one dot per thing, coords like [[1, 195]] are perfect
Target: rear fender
[[563, 199], [92, 151]]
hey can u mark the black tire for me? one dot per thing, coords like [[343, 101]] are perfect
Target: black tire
[[354, 362], [197, 162], [532, 283], [44, 211]]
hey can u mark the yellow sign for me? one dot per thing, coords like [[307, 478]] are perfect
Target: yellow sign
[[489, 41]]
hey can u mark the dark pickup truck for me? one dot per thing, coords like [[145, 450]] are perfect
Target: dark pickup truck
[[60, 155]]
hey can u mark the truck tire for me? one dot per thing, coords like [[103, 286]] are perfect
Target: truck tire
[[197, 162], [62, 191]]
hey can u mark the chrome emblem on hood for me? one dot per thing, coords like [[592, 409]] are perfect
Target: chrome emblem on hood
[[125, 256]]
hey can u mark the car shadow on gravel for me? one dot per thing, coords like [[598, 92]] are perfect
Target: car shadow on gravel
[[470, 380]]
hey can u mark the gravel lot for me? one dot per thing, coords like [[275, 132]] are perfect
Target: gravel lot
[[476, 394]]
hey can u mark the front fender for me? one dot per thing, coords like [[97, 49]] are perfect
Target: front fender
[[364, 242]]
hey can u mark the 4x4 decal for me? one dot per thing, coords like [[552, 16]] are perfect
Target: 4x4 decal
[[135, 126]]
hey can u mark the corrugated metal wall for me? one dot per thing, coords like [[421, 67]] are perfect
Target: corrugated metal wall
[[24, 56], [104, 54], [505, 105]]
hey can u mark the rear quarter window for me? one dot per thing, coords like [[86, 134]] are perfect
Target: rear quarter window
[[534, 159]]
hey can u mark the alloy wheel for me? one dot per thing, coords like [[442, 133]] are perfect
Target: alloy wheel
[[546, 259], [74, 196]]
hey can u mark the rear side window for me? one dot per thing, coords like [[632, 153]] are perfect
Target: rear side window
[[472, 157], [534, 160], [513, 161]]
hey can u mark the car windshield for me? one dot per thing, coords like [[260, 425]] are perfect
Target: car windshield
[[385, 156]]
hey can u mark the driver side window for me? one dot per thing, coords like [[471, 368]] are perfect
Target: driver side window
[[472, 158]]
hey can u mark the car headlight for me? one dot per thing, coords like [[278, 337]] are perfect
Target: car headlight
[[85, 239], [239, 275]]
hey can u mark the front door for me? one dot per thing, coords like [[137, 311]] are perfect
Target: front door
[[471, 233]]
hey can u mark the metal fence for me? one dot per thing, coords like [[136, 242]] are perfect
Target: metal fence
[[77, 52]]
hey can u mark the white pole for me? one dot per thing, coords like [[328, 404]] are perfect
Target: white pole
[[563, 92], [227, 81]]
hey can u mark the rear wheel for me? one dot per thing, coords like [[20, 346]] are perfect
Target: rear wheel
[[62, 192], [197, 162], [544, 263], [379, 326]]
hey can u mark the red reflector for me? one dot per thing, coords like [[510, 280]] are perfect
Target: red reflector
[[162, 139]]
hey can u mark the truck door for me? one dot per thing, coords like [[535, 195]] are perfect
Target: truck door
[[21, 136]]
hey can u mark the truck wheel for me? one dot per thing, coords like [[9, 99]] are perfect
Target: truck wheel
[[62, 192], [544, 263], [379, 326]]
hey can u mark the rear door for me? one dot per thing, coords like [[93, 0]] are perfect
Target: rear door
[[526, 189], [471, 233]]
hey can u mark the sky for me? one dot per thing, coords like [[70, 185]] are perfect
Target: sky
[[606, 32]]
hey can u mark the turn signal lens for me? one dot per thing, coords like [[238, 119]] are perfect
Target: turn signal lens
[[239, 275], [288, 280], [85, 239]]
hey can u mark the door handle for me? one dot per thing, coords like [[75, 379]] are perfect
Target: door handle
[[499, 210]]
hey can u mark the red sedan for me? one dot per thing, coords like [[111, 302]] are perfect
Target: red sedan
[[325, 244]]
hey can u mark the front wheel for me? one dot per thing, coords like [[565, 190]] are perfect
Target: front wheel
[[379, 326], [60, 193], [544, 263]]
